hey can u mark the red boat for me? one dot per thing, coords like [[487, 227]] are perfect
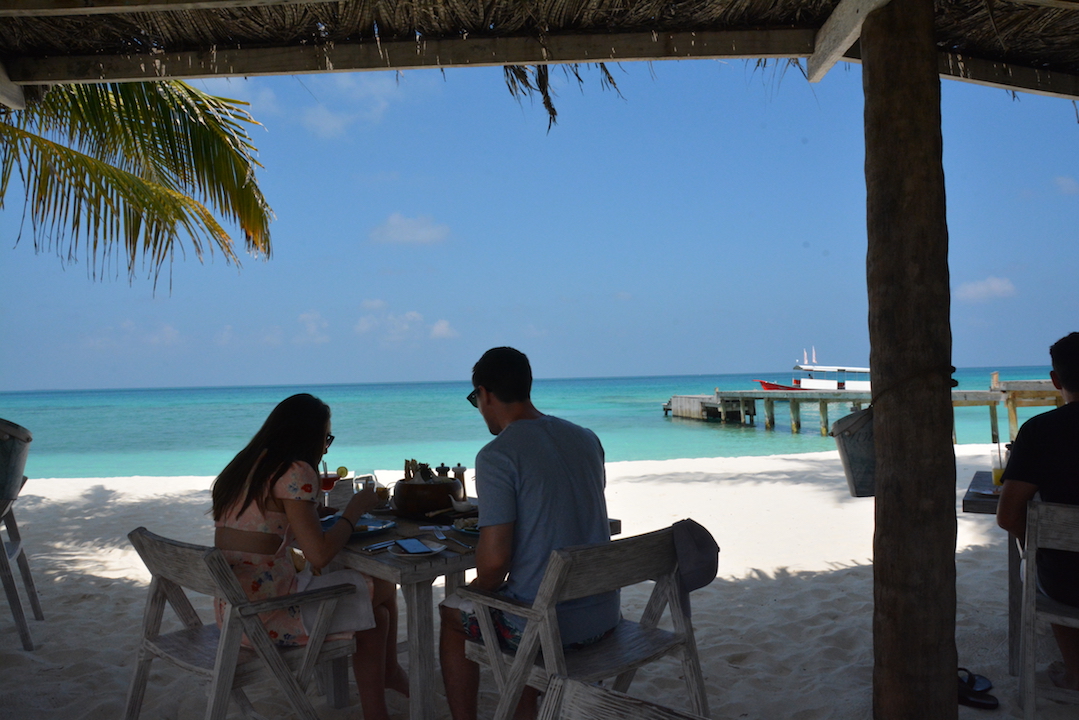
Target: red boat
[[776, 386]]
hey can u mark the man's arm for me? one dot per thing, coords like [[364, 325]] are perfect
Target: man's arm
[[493, 555], [1012, 508]]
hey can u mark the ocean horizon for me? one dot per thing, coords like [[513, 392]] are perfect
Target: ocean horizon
[[197, 430]]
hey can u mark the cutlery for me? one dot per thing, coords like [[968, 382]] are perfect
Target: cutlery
[[442, 536], [378, 546]]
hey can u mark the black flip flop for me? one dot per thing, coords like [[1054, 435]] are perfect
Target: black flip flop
[[979, 700], [973, 682]]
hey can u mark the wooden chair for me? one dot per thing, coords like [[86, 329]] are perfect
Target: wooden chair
[[1049, 525], [574, 700], [216, 653], [12, 550], [579, 572]]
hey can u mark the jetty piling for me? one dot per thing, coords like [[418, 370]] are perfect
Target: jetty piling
[[740, 405]]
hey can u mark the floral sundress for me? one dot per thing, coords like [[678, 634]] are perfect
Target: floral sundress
[[269, 576]]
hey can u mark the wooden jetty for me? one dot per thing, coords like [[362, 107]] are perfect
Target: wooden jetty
[[740, 406]]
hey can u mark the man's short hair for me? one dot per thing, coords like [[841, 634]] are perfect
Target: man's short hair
[[1065, 356], [504, 372]]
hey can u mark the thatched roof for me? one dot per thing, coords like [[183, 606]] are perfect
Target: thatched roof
[[1032, 44]]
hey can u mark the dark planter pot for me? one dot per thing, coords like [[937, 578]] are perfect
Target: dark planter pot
[[14, 447]]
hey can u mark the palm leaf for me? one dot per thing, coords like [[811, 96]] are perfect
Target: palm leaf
[[135, 165], [76, 200]]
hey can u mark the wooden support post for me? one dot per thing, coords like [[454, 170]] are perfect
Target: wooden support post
[[722, 408], [742, 410], [1013, 415], [824, 418], [993, 429], [914, 653], [796, 417], [769, 414]]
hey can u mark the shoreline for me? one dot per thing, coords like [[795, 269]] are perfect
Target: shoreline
[[785, 629]]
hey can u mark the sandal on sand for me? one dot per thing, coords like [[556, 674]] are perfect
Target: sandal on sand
[[973, 682], [980, 700]]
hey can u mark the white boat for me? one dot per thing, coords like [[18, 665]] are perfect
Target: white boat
[[832, 377], [824, 377]]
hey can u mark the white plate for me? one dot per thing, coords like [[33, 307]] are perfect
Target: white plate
[[433, 547]]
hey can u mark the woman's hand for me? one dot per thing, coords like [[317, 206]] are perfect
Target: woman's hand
[[361, 503]]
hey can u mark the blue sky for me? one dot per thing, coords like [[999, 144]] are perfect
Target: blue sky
[[711, 219]]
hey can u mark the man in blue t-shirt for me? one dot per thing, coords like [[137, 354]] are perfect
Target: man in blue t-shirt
[[1045, 460], [540, 484]]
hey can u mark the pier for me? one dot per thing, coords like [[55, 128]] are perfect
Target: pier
[[740, 406]]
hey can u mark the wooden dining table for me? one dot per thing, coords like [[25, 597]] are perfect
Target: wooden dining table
[[982, 497], [416, 577]]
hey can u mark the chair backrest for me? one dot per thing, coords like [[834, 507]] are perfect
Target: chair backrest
[[585, 570], [1053, 525], [194, 567]]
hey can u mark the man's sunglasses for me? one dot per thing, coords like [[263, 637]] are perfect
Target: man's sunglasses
[[474, 398]]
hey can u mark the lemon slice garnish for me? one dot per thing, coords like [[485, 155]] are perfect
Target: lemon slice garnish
[[342, 471]]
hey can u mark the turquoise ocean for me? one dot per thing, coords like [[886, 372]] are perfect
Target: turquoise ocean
[[196, 431]]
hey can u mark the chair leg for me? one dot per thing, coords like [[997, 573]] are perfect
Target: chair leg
[[333, 682], [245, 705], [1027, 691], [137, 690], [31, 589], [13, 599], [691, 669], [623, 681]]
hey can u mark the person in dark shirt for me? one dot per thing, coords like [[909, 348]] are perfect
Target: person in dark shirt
[[1045, 460]]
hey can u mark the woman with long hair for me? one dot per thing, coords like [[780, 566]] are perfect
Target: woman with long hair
[[266, 500]]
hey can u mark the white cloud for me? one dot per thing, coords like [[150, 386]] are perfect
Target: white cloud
[[165, 335], [623, 295], [273, 336], [313, 325], [373, 92], [224, 336], [1067, 185], [985, 290], [373, 304], [400, 327], [365, 324], [442, 329], [325, 123], [399, 229]]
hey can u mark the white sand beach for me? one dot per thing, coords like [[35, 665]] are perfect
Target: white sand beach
[[784, 631]]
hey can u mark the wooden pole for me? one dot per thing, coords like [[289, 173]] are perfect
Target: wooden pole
[[914, 654], [769, 414], [824, 418], [796, 417]]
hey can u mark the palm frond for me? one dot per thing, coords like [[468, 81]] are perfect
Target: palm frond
[[156, 140], [79, 205]]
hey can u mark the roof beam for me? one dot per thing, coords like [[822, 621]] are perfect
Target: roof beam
[[480, 52], [841, 30], [1009, 77], [993, 73], [411, 54], [11, 95], [53, 8]]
